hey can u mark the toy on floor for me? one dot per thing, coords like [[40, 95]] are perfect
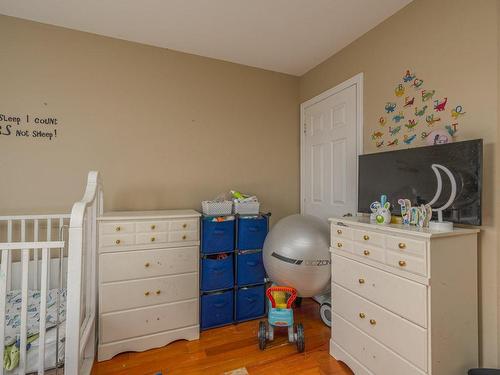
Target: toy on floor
[[281, 315]]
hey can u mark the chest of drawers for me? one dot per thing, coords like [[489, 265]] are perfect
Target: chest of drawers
[[404, 299], [148, 280]]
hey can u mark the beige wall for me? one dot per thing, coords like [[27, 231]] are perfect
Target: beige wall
[[453, 46], [166, 129]]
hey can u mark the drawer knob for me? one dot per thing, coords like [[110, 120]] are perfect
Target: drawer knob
[[362, 315], [339, 245], [158, 291], [146, 264], [184, 237], [146, 293], [153, 239], [118, 242], [402, 263], [339, 231], [366, 252], [118, 229], [153, 227], [184, 226], [366, 237], [361, 281], [402, 245], [373, 322]]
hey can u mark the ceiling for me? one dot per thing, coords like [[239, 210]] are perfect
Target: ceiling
[[288, 36]]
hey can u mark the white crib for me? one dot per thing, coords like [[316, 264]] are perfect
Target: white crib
[[43, 252]]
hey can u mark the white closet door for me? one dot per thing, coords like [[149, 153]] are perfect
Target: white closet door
[[330, 155]]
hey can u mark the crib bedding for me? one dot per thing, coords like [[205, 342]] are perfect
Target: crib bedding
[[50, 351], [13, 325]]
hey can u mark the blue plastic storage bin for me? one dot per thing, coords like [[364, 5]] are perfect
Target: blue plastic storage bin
[[217, 272], [216, 236], [250, 302], [216, 309], [250, 268], [252, 232]]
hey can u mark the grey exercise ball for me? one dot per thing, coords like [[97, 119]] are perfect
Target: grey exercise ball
[[296, 254]]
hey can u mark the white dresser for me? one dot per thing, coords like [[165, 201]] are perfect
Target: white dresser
[[148, 280], [404, 299]]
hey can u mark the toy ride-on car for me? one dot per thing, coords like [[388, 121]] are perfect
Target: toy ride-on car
[[281, 315]]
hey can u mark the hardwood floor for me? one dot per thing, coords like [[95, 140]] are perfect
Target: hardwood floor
[[233, 347]]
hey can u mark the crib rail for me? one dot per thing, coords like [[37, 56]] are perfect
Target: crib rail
[[82, 280], [6, 250]]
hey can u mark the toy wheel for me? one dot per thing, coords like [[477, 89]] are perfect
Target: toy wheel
[[325, 311], [262, 335], [301, 345]]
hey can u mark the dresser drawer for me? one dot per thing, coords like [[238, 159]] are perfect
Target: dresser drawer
[[369, 238], [404, 245], [116, 228], [340, 231], [145, 321], [405, 338], [117, 240], [182, 236], [406, 263], [342, 245], [369, 252], [376, 357], [129, 265], [399, 295], [139, 293], [151, 226], [184, 225], [150, 238]]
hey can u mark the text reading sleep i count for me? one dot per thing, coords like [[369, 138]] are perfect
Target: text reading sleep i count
[[28, 126]]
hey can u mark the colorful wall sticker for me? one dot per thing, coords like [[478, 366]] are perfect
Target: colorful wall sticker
[[427, 95], [439, 105], [421, 111], [397, 118], [390, 107], [399, 90], [442, 123], [409, 139]]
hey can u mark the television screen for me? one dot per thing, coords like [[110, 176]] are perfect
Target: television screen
[[409, 174]]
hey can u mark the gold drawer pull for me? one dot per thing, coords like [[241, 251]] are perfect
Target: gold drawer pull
[[118, 229], [146, 294], [402, 263], [361, 281], [158, 291], [153, 239], [153, 227], [373, 322], [184, 226], [366, 252], [146, 264], [362, 315], [402, 245], [118, 242], [184, 237], [339, 245], [366, 237], [339, 232]]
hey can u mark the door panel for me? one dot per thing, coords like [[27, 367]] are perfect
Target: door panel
[[330, 155]]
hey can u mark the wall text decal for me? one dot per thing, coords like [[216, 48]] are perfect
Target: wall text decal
[[28, 126]]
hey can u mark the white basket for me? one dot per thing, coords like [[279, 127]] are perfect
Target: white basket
[[246, 208], [210, 208]]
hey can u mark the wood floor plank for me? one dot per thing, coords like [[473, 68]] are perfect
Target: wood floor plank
[[232, 347]]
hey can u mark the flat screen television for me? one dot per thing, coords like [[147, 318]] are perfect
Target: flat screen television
[[408, 174]]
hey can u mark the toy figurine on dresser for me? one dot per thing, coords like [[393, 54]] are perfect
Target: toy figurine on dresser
[[380, 211]]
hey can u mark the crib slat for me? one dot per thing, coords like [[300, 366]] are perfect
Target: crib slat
[[24, 310], [35, 255], [3, 293], [43, 310], [9, 257]]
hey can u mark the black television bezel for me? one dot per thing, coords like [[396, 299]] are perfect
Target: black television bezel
[[451, 144]]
